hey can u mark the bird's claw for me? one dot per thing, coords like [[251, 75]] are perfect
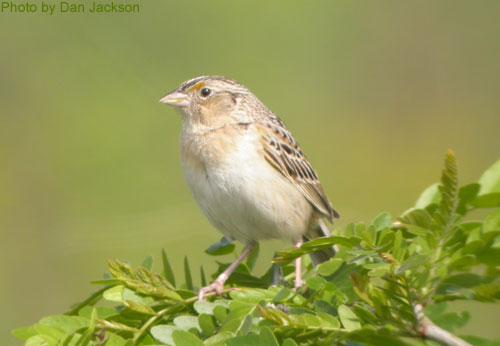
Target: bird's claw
[[216, 287]]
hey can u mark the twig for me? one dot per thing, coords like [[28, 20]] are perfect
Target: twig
[[428, 330], [116, 326]]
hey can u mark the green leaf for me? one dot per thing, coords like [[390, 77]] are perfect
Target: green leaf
[[254, 296], [185, 294], [348, 318], [311, 320], [87, 335], [328, 321], [219, 339], [492, 222], [282, 295], [163, 333], [325, 242], [322, 306], [143, 281], [220, 313], [115, 340], [463, 261], [490, 256], [103, 312], [417, 217], [267, 337], [378, 272], [316, 283], [50, 334], [183, 338], [275, 316], [382, 221], [315, 245], [168, 273], [203, 279], [220, 248], [329, 267], [132, 296], [490, 180], [240, 278], [187, 274], [187, 322], [417, 230], [114, 294], [238, 310], [359, 229], [207, 325], [244, 340], [364, 314], [431, 195], [449, 191], [466, 194], [289, 342], [36, 340], [204, 307], [148, 262], [246, 326], [68, 324], [489, 200], [412, 262], [232, 325], [24, 333]]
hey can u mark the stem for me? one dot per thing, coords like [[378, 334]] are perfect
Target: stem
[[116, 326], [89, 301], [152, 320], [428, 330]]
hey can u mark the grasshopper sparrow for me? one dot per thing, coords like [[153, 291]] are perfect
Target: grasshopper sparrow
[[246, 171]]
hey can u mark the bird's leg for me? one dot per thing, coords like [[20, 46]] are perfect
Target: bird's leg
[[298, 269], [218, 285]]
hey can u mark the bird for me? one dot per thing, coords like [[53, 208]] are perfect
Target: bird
[[246, 171]]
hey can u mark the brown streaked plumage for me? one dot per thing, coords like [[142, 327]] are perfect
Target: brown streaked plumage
[[284, 154], [245, 170]]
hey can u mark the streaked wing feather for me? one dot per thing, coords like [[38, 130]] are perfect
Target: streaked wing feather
[[284, 154]]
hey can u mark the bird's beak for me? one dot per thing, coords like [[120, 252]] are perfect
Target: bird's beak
[[175, 98]]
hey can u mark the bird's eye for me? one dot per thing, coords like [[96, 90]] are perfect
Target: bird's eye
[[205, 92]]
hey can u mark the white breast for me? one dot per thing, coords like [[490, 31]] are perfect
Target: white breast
[[240, 193]]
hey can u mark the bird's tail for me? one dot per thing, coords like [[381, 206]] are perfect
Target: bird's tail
[[322, 255]]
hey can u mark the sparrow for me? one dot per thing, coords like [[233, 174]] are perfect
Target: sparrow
[[246, 172]]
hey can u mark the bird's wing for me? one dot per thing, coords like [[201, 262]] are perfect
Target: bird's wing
[[283, 153]]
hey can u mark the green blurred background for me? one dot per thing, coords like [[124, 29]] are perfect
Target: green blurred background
[[375, 92]]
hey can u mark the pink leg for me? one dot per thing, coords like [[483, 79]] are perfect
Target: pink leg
[[298, 269], [218, 285]]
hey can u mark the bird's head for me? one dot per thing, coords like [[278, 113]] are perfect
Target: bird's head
[[210, 100]]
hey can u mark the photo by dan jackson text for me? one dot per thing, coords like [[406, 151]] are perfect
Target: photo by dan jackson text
[[68, 7]]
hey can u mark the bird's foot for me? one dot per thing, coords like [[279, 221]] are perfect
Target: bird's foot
[[298, 284], [217, 287]]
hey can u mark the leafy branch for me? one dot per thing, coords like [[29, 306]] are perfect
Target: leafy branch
[[389, 284]]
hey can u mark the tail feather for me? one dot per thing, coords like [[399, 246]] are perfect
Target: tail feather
[[322, 255]]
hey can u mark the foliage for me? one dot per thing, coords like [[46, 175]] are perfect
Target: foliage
[[367, 295]]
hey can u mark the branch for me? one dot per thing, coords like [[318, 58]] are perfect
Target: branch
[[428, 330]]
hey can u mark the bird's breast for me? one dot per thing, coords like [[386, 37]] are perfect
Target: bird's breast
[[238, 190]]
